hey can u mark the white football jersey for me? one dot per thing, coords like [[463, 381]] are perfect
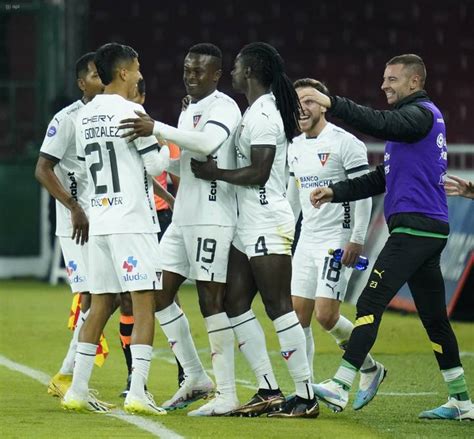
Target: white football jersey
[[59, 145], [120, 191], [261, 207], [318, 162], [200, 202]]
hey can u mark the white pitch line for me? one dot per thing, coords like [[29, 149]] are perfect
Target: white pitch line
[[406, 394], [153, 427]]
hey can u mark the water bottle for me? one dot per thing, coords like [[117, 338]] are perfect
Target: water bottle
[[361, 264]]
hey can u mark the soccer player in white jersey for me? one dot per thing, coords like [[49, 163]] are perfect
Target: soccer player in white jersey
[[59, 171], [321, 155], [196, 244], [260, 256], [123, 244]]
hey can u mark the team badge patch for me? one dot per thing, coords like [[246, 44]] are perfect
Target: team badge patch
[[51, 131], [287, 354], [323, 157], [196, 119]]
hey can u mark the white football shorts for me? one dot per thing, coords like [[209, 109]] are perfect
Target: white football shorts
[[76, 261], [260, 242], [199, 252], [315, 273], [124, 262]]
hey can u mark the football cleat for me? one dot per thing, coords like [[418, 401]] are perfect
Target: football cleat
[[142, 405], [189, 393], [127, 387], [260, 404], [297, 407], [217, 406], [453, 409], [88, 403], [369, 384], [59, 385], [332, 394]]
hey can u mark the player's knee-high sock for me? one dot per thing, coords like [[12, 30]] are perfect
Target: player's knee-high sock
[[68, 362], [308, 333], [221, 340], [251, 339], [293, 349], [141, 359], [176, 328], [126, 328], [84, 362], [456, 382], [341, 332]]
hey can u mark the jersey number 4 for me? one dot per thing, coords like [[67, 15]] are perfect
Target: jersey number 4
[[96, 167]]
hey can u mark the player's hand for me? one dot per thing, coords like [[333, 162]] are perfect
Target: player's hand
[[80, 225], [185, 102], [205, 170], [142, 126], [320, 196], [352, 251], [459, 186]]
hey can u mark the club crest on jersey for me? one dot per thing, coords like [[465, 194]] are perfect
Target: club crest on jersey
[[323, 157], [287, 354], [196, 119]]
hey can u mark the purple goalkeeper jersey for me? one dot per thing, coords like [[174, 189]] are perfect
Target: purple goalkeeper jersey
[[415, 173]]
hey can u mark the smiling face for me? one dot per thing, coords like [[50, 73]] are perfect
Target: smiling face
[[399, 81], [312, 120], [133, 75], [200, 75]]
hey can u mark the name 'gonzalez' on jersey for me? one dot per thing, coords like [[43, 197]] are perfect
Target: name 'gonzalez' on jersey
[[260, 207], [120, 190], [201, 202], [319, 162]]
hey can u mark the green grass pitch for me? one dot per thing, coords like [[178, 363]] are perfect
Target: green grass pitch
[[33, 318]]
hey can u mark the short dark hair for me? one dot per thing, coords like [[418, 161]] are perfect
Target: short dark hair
[[141, 87], [107, 58], [82, 64], [208, 49], [412, 61], [310, 82]]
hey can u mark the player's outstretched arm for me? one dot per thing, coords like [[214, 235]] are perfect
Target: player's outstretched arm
[[320, 196], [458, 186], [44, 173], [202, 142], [256, 174], [141, 126]]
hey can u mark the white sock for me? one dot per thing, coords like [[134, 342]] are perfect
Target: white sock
[[176, 328], [341, 332], [309, 349], [68, 362], [221, 339], [251, 339], [293, 349], [85, 356], [141, 359]]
